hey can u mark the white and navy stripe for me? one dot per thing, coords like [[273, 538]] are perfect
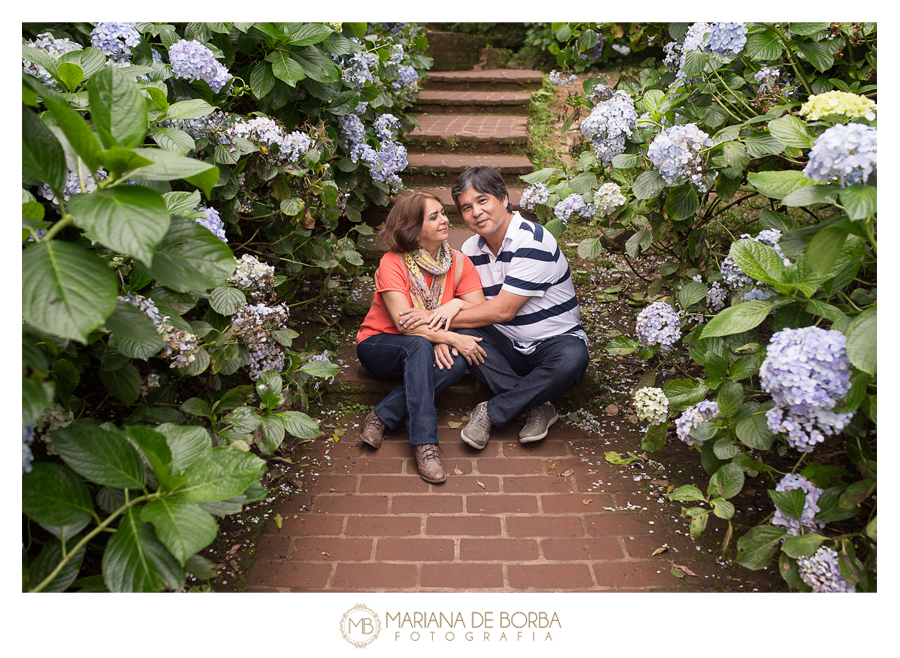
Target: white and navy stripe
[[530, 264]]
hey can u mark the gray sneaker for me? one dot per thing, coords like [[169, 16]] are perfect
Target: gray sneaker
[[538, 423], [478, 430]]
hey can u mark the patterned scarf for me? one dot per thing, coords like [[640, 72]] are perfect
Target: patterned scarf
[[420, 260]]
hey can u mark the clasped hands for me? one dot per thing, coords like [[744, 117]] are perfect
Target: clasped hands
[[439, 320]]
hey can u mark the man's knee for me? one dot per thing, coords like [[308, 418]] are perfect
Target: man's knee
[[572, 357]]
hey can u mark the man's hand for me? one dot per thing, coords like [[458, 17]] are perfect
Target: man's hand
[[471, 351]]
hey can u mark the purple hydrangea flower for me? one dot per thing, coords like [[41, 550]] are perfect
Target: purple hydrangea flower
[[191, 60], [386, 127], [115, 40], [659, 323], [407, 77], [573, 205], [27, 457], [677, 153], [728, 39], [821, 572], [848, 153], [609, 123], [691, 418], [807, 521], [213, 222], [533, 196]]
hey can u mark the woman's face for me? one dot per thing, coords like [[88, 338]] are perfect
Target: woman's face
[[435, 226]]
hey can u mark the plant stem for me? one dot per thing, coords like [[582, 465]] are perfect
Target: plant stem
[[57, 227], [797, 69]]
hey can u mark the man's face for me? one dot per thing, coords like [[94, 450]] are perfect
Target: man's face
[[484, 214]]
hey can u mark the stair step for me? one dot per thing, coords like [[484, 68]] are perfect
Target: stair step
[[487, 80], [437, 168], [449, 133], [473, 102]]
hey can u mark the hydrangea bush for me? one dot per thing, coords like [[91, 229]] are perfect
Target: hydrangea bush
[[150, 152], [750, 174]]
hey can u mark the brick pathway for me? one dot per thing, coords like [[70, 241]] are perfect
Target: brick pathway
[[550, 516]]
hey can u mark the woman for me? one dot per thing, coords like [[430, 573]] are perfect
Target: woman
[[420, 271]]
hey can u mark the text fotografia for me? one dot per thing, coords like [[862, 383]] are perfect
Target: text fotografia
[[482, 626]]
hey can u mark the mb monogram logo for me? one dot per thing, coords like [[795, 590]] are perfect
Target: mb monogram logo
[[360, 626]]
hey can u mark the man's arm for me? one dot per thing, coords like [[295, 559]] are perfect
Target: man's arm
[[501, 308]]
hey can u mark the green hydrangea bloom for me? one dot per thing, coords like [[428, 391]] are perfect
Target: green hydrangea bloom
[[838, 102]]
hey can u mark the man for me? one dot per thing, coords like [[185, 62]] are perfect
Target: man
[[530, 324]]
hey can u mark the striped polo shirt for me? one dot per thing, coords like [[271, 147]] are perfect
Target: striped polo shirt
[[531, 264]]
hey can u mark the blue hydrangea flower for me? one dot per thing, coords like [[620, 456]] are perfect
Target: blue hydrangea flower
[[386, 127], [609, 123], [216, 127], [254, 323], [212, 222], [393, 28], [407, 78], [557, 78], [677, 153], [356, 68], [807, 372], [807, 521], [728, 39], [384, 164], [715, 297], [353, 131], [594, 53], [821, 572], [396, 54], [115, 40], [192, 60], [27, 457], [533, 196], [573, 205], [181, 347], [73, 186], [848, 153], [691, 418], [659, 323]]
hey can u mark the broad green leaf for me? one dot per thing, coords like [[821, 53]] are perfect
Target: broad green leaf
[[136, 561], [862, 341], [713, 115], [698, 525], [723, 449], [285, 67], [860, 201], [226, 300], [583, 183], [124, 383], [155, 449], [626, 161], [67, 291], [642, 238], [778, 184], [128, 219], [791, 131], [190, 109], [182, 527], [187, 444], [648, 185], [757, 260], [299, 424], [244, 419], [42, 154], [39, 57], [817, 54], [736, 319], [806, 29], [691, 293], [262, 80], [172, 139], [722, 508], [320, 369], [221, 474], [590, 248], [168, 165], [271, 433], [309, 33], [36, 396], [764, 45], [803, 545], [190, 257], [825, 247], [99, 455], [655, 437], [317, 65], [89, 60], [763, 143], [753, 431], [694, 62], [269, 387], [806, 196], [539, 176], [653, 100], [76, 130], [756, 549], [683, 393], [196, 407], [54, 495], [180, 203], [136, 335], [117, 160], [687, 492], [118, 109], [50, 556], [682, 202], [730, 398], [622, 345], [70, 75]]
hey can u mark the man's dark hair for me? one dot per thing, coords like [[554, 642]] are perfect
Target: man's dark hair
[[486, 180]]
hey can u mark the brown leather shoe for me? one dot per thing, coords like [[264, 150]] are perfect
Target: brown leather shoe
[[429, 463], [372, 430]]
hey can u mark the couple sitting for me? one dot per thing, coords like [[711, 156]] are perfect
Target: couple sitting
[[505, 308]]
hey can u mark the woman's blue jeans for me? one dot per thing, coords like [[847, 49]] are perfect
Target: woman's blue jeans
[[391, 356]]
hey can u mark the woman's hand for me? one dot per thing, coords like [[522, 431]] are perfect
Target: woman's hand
[[411, 318], [470, 349], [441, 318]]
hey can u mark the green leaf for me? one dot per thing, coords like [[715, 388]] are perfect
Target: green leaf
[[196, 407], [763, 143], [722, 508], [655, 437], [66, 290], [118, 109], [860, 201], [269, 387], [180, 203], [539, 176], [320, 369], [648, 185], [687, 492], [299, 424], [169, 165], [262, 80], [778, 184], [136, 561], [54, 495], [727, 481], [309, 33], [317, 65], [190, 109], [226, 300], [825, 247], [804, 30], [285, 67], [803, 545], [758, 261], [683, 393], [736, 319], [583, 183], [172, 139], [190, 257], [221, 474], [124, 383], [128, 219], [713, 115], [791, 131], [42, 154], [99, 455], [694, 62], [730, 398], [622, 345], [764, 45], [36, 396], [817, 54], [590, 248], [682, 202], [789, 502], [89, 60], [156, 450], [136, 335], [723, 449], [182, 527], [626, 161], [691, 293], [50, 556], [187, 444], [862, 341], [244, 419], [75, 128], [806, 196], [753, 431], [756, 549], [271, 433], [698, 525]]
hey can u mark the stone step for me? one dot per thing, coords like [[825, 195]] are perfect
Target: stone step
[[487, 80], [453, 133], [473, 102], [444, 168]]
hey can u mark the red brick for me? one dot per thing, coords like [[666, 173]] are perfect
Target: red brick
[[392, 483], [340, 483], [312, 524], [365, 466], [413, 549], [450, 466], [590, 482], [635, 574], [582, 549], [428, 504], [543, 448], [642, 546], [543, 526], [508, 550], [355, 577], [383, 526], [453, 447], [537, 484], [351, 504], [497, 503], [462, 576], [293, 575], [331, 549], [611, 525], [549, 576], [462, 525], [393, 449], [469, 484], [272, 547], [554, 503], [510, 466]]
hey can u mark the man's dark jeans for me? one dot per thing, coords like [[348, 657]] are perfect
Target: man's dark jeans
[[391, 356], [522, 381]]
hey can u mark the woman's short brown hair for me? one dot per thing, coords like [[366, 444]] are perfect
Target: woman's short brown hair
[[403, 226]]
